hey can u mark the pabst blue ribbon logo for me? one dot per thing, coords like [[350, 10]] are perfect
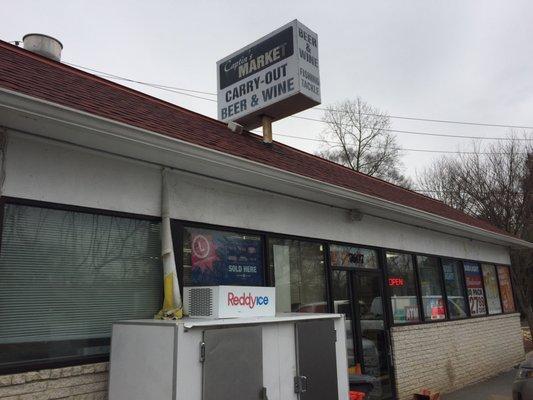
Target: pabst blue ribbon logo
[[247, 300]]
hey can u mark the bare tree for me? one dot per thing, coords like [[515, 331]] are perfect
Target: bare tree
[[494, 184], [357, 136]]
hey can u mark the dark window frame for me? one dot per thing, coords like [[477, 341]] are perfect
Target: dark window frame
[[440, 275], [382, 266], [482, 286], [463, 287], [356, 331], [440, 257], [177, 229], [508, 267], [327, 277], [66, 361], [495, 269], [417, 288]]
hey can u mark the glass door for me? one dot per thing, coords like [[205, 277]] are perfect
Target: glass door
[[358, 295], [342, 304], [373, 333]]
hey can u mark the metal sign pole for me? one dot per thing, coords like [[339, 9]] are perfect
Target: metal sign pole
[[267, 128]]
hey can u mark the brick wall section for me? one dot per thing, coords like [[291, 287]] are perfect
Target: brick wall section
[[82, 382], [446, 356]]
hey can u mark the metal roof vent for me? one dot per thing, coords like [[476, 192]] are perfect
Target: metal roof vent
[[44, 45]]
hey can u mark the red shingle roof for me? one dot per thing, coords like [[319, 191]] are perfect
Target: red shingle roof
[[36, 76]]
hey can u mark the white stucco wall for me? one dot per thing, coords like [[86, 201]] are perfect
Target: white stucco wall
[[47, 171], [42, 170]]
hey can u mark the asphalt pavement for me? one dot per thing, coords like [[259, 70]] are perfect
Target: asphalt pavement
[[496, 388]]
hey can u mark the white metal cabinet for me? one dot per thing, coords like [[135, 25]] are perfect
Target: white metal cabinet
[[165, 359]]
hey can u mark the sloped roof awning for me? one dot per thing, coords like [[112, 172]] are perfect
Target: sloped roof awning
[[48, 98]]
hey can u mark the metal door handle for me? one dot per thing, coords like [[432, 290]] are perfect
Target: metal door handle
[[304, 383], [300, 384]]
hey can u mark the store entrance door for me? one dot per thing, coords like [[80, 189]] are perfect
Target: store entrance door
[[358, 294]]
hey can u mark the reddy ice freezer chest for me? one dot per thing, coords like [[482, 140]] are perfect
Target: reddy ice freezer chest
[[286, 357]]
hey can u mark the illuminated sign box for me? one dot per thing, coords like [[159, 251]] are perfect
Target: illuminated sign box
[[276, 76]]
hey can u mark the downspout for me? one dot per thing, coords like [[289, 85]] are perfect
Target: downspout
[[172, 305], [3, 150]]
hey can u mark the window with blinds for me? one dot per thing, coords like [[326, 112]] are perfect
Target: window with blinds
[[65, 276]]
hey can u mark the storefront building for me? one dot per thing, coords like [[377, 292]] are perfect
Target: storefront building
[[425, 289]]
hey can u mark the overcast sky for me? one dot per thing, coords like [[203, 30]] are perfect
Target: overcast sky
[[457, 60]]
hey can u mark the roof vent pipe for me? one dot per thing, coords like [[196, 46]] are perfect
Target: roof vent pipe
[[44, 45]]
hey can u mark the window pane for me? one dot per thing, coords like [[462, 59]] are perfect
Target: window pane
[[454, 284], [299, 275], [66, 276], [506, 289], [402, 288], [221, 258], [491, 288], [355, 257], [474, 286], [430, 287]]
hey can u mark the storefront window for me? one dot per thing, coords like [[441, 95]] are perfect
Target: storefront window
[[474, 286], [491, 288], [431, 288], [354, 257], [213, 257], [402, 288], [299, 274], [506, 289], [67, 276], [454, 284]]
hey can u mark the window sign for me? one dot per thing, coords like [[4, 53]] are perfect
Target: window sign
[[411, 313], [454, 286], [354, 257], [474, 285], [506, 289], [222, 258], [396, 281], [491, 288], [402, 288]]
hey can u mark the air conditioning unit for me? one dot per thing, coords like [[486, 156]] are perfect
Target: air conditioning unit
[[229, 301]]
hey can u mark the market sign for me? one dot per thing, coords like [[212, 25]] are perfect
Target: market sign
[[276, 76]]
